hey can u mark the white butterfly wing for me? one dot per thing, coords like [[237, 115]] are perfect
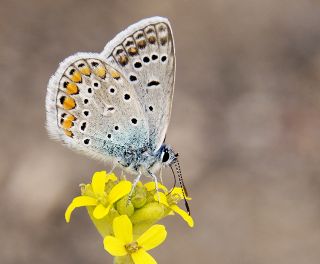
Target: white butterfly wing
[[92, 108], [144, 54]]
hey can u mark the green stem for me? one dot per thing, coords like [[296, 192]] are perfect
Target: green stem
[[104, 225], [123, 260]]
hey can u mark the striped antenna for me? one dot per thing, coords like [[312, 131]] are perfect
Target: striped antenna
[[183, 187]]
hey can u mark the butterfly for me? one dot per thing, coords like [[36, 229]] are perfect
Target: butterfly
[[116, 105]]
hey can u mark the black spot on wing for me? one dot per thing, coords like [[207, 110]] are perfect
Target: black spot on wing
[[153, 83]]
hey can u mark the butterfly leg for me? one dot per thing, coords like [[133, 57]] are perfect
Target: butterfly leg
[[123, 176], [114, 165], [134, 184], [154, 177], [160, 175]]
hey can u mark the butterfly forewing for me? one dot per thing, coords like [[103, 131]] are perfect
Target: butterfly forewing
[[144, 54], [92, 107]]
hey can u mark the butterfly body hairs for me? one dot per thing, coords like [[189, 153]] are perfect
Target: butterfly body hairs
[[116, 105]]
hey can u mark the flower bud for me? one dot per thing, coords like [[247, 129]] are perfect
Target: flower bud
[[104, 225], [151, 212], [139, 196], [109, 186], [146, 216], [125, 207]]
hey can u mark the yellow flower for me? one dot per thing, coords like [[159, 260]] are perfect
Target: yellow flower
[[176, 192], [122, 243], [94, 194], [170, 200], [151, 186]]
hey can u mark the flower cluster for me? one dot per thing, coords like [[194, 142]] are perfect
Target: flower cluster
[[128, 224]]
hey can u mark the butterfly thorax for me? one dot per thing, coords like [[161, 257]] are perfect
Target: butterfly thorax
[[144, 160]]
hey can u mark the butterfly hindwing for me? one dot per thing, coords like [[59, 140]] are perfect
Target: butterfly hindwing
[[144, 54], [92, 107]]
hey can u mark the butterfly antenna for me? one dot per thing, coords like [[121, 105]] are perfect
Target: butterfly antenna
[[183, 187]]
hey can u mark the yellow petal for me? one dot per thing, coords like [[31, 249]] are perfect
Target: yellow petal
[[142, 257], [153, 237], [183, 214], [111, 177], [152, 186], [122, 229], [114, 246], [162, 197], [118, 191], [178, 191], [78, 202], [100, 211], [98, 182]]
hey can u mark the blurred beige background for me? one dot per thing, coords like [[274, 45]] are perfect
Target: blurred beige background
[[245, 121]]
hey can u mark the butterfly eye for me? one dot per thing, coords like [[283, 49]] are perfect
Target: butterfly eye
[[165, 156]]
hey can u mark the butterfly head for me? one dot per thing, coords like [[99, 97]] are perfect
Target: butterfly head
[[167, 156]]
